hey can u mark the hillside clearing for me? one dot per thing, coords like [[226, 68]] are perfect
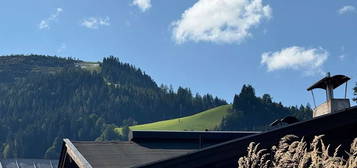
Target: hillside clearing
[[208, 119], [90, 66]]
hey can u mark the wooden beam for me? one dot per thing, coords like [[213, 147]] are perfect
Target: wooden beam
[[17, 164], [76, 155]]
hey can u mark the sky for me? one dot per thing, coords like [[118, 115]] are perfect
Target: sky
[[279, 47]]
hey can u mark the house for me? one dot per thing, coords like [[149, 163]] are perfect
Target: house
[[163, 149], [142, 148], [339, 128]]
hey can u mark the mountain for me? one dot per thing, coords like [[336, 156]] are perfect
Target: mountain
[[44, 99]]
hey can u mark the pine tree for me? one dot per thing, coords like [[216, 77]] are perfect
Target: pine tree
[[355, 93]]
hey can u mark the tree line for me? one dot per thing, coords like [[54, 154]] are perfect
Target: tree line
[[250, 112]]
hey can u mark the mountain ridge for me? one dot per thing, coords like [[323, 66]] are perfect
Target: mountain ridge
[[44, 99]]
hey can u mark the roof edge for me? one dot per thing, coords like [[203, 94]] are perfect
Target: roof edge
[[76, 155], [187, 135], [320, 84]]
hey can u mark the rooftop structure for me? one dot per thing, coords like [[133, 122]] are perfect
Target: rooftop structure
[[332, 104]]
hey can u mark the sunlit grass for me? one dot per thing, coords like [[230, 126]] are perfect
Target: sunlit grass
[[208, 119], [90, 66]]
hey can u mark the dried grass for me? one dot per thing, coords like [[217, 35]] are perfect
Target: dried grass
[[293, 152]]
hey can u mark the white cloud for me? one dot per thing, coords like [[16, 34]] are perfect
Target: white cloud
[[309, 61], [45, 23], [346, 9], [62, 47], [95, 22], [220, 21], [144, 5], [342, 57]]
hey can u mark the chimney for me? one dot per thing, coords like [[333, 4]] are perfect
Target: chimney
[[332, 104]]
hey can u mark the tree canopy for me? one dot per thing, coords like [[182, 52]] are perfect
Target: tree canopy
[[355, 93], [250, 112]]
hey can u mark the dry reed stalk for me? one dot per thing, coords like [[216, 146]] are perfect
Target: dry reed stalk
[[293, 152]]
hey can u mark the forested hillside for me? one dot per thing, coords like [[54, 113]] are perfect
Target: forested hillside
[[250, 112], [44, 99]]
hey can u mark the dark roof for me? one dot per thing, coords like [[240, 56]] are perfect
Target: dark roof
[[144, 147], [123, 154], [338, 128], [336, 81]]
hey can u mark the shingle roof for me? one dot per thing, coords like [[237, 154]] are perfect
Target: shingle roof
[[123, 154]]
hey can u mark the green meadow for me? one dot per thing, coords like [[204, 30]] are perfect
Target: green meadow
[[208, 119]]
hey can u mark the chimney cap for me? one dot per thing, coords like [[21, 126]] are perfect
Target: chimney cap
[[335, 81]]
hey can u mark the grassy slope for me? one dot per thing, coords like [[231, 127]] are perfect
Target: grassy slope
[[208, 119], [90, 66]]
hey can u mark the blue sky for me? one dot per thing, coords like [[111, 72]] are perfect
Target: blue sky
[[210, 46]]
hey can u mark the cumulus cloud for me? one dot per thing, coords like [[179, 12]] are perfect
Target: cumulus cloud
[[144, 5], [95, 22], [222, 21], [45, 23], [296, 58], [346, 9]]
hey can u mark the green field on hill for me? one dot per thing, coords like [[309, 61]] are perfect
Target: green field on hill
[[208, 119], [90, 66]]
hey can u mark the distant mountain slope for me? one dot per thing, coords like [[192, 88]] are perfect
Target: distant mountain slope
[[44, 99], [209, 119], [19, 66]]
